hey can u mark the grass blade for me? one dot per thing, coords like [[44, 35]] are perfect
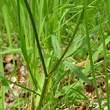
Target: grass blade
[[105, 62], [90, 54]]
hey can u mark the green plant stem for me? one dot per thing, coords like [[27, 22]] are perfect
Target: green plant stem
[[105, 63], [108, 10], [42, 59], [90, 55], [2, 87], [42, 94], [36, 36], [46, 79], [55, 67]]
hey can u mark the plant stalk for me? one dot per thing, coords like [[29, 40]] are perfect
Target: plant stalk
[[42, 94], [36, 36], [42, 59], [90, 54]]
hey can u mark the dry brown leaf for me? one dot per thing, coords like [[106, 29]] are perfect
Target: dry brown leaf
[[82, 63], [82, 107]]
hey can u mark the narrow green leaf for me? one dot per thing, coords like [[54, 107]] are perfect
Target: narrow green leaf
[[46, 56], [78, 43], [2, 88], [71, 6], [63, 91], [56, 46], [7, 23], [83, 50], [95, 55], [17, 50], [75, 70], [5, 82]]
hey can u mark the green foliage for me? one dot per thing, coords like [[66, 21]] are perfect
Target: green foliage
[[54, 35], [75, 69], [56, 46]]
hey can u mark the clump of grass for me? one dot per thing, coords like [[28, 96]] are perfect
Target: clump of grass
[[40, 27]]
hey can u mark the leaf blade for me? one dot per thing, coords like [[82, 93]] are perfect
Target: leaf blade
[[76, 71], [56, 46]]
